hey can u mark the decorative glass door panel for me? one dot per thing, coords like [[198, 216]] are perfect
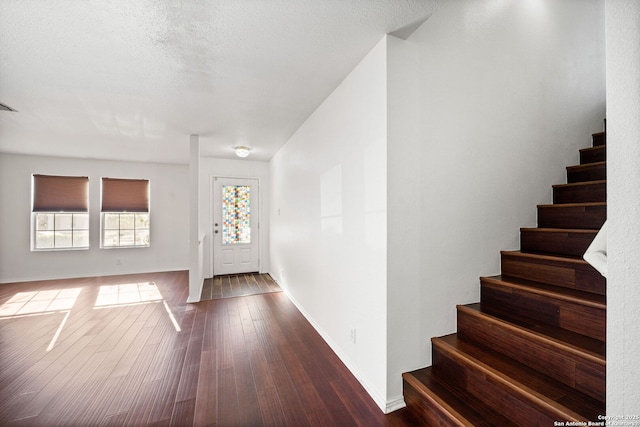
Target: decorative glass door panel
[[235, 218], [236, 214]]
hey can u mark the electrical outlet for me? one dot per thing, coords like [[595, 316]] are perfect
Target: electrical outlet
[[118, 261], [352, 331]]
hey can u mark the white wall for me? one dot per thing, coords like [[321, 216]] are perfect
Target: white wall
[[214, 167], [405, 339], [328, 220], [458, 133], [169, 204], [510, 90], [623, 193]]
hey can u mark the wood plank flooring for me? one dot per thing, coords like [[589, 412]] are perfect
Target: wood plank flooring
[[238, 285], [128, 351]]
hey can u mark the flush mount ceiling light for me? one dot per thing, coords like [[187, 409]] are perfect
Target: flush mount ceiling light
[[242, 150]]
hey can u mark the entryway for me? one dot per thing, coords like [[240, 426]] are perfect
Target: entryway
[[238, 285]]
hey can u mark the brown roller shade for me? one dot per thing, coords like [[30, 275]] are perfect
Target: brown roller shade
[[60, 193], [125, 195]]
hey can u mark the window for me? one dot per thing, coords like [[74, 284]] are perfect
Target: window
[[125, 229], [236, 214], [60, 212], [125, 213]]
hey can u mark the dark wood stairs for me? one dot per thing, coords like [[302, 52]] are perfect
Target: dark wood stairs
[[532, 351]]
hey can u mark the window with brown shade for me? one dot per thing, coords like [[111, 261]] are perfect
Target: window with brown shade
[[125, 213], [60, 212]]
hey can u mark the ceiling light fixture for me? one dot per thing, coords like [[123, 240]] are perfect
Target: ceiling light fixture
[[242, 150]]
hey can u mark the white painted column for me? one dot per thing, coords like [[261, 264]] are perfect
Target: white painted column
[[195, 253]]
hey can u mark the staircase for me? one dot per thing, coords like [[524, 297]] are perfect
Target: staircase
[[532, 351]]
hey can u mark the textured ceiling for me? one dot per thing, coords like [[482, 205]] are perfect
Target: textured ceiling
[[131, 80]]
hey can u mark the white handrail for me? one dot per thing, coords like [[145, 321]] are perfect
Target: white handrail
[[596, 253]]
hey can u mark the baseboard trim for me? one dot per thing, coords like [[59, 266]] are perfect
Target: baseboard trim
[[395, 404], [7, 281]]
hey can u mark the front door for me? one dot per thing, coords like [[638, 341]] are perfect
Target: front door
[[235, 226]]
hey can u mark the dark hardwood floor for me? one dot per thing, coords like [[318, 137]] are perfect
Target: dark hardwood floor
[[127, 350]]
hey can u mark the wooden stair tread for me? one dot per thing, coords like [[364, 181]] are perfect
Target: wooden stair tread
[[578, 262], [594, 148], [593, 165], [577, 184], [561, 230], [460, 407], [555, 292], [573, 205], [572, 342], [557, 398]]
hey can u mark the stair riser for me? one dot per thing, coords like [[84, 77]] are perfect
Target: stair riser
[[574, 370], [585, 217], [598, 154], [492, 392], [555, 243], [580, 193], [582, 174], [599, 139], [437, 403], [582, 277], [426, 409], [582, 319]]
